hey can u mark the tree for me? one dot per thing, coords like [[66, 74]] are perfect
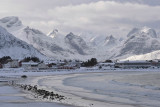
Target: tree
[[5, 59], [109, 61], [91, 62], [100, 67], [34, 59], [65, 61]]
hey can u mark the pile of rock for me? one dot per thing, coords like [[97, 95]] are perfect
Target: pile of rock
[[40, 93]]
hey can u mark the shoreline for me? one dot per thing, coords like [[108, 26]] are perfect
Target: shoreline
[[80, 95], [17, 97]]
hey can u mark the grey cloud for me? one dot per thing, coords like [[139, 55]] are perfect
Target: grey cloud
[[107, 16], [146, 2]]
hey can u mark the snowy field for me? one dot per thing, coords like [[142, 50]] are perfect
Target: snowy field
[[89, 89]]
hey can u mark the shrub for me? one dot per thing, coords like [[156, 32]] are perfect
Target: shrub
[[23, 76], [91, 62]]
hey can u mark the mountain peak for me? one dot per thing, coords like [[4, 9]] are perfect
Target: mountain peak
[[145, 29], [11, 21], [110, 40], [109, 37], [53, 33], [31, 30], [142, 31], [77, 43], [55, 30], [70, 35], [149, 31]]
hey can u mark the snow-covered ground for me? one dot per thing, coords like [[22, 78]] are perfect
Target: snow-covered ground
[[97, 88], [14, 97]]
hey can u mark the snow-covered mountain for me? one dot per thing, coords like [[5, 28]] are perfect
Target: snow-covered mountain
[[33, 37], [92, 39], [148, 56], [110, 41], [53, 34], [139, 41], [77, 43], [57, 38], [97, 40], [144, 30], [54, 45], [12, 46]]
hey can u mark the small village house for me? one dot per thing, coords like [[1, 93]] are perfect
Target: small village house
[[30, 65], [11, 64], [42, 66], [133, 64]]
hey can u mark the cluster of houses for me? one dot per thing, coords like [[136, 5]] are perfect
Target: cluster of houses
[[132, 64], [138, 64], [40, 65], [53, 64]]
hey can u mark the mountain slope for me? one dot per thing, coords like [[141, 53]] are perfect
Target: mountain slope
[[53, 45], [139, 41], [110, 41], [76, 43], [11, 46], [148, 56], [53, 34], [84, 46]]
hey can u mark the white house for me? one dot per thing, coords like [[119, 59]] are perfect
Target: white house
[[106, 64], [133, 64], [42, 66], [30, 65], [11, 64]]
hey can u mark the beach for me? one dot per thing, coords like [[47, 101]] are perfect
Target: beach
[[111, 89], [84, 88], [11, 96]]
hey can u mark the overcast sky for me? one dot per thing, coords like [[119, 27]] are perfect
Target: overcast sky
[[108, 17]]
